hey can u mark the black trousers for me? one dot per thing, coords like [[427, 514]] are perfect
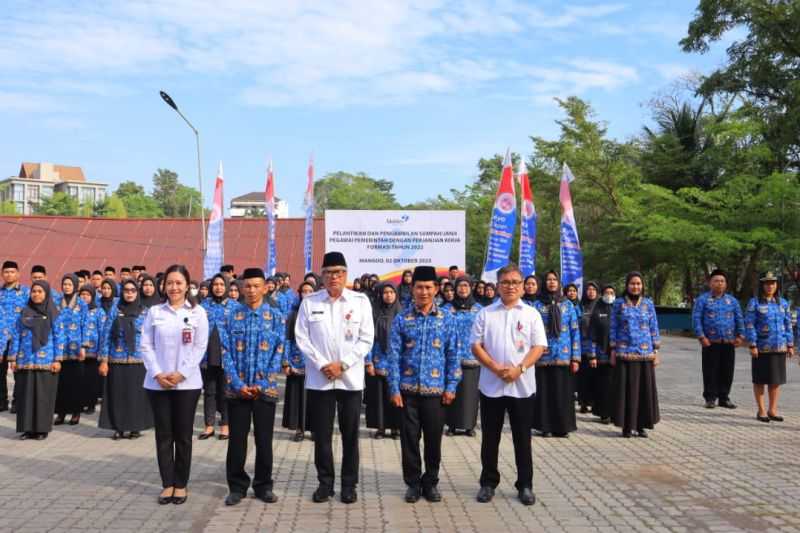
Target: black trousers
[[4, 373], [173, 415], [493, 412], [422, 415], [322, 407], [718, 364], [214, 400], [240, 414]]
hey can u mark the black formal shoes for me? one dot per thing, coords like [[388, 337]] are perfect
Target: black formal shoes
[[179, 500], [59, 420], [432, 494], [727, 404], [486, 494], [349, 495], [205, 435], [74, 420], [470, 433], [762, 418], [642, 433], [527, 497], [322, 494], [267, 496], [134, 435], [710, 404], [298, 436], [164, 500], [117, 435], [412, 494], [775, 418], [234, 498]]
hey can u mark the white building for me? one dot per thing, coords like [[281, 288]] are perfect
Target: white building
[[253, 204], [39, 180]]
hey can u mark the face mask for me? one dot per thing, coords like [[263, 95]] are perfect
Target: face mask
[[193, 292], [608, 298]]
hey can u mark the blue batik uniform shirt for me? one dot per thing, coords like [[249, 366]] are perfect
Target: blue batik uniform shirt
[[219, 315], [254, 350], [634, 332], [12, 300], [22, 347], [768, 325], [423, 354], [565, 348], [718, 319], [115, 350], [73, 319]]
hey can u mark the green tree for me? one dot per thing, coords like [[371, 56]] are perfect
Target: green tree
[[8, 208], [342, 190], [111, 207], [165, 192], [142, 206], [59, 204], [129, 188]]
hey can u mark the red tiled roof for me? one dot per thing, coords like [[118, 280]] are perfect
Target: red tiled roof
[[67, 173], [66, 244]]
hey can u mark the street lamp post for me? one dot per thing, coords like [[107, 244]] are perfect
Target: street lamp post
[[170, 102]]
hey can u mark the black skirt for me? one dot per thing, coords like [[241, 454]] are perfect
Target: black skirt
[[635, 404], [92, 382], [463, 412], [554, 406], [585, 379], [601, 391], [769, 368], [35, 392], [381, 414], [71, 393], [125, 403], [294, 404]]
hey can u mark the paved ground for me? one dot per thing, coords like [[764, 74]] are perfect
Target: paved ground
[[701, 470]]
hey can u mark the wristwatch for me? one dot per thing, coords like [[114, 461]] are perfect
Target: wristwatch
[[522, 368], [345, 366]]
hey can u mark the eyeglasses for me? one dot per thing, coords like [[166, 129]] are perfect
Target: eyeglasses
[[506, 283], [334, 273]]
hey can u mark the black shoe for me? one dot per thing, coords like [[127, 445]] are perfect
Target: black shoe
[[470, 433], [134, 435], [626, 434], [641, 433], [762, 418], [205, 435], [486, 494], [267, 496], [412, 494], [164, 500], [775, 418], [432, 494], [222, 436], [561, 435], [322, 494], [727, 404], [26, 436], [450, 432], [117, 435], [545, 434], [710, 404], [395, 434], [606, 420], [59, 420], [298, 437], [583, 410], [74, 420], [179, 500], [379, 434], [234, 498], [349, 495], [527, 497], [40, 436]]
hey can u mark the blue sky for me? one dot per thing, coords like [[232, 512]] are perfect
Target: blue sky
[[412, 91]]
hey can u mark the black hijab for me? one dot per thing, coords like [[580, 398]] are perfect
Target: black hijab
[[148, 301], [459, 303], [214, 297], [635, 299], [240, 287], [291, 320], [126, 318], [551, 301], [106, 303], [587, 307], [530, 298], [600, 324], [39, 318], [88, 287], [384, 315], [72, 299]]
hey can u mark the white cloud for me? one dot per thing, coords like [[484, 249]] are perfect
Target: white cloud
[[672, 71], [297, 52]]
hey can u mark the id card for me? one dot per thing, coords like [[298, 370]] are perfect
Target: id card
[[186, 335]]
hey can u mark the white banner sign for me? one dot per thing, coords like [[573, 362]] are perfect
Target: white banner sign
[[387, 242]]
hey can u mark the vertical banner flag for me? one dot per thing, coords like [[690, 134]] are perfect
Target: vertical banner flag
[[215, 251], [269, 197], [527, 220], [308, 243], [501, 228], [571, 256]]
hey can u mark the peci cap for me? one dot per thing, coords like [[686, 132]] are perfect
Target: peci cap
[[424, 273], [253, 273], [334, 259]]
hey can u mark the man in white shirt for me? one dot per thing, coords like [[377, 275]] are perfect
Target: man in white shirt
[[508, 337], [334, 331]]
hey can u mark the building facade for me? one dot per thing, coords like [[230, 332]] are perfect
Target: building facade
[[254, 204], [41, 180]]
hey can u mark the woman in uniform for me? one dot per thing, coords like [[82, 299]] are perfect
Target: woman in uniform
[[71, 315]]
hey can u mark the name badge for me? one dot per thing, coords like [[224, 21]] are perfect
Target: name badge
[[186, 335], [348, 335]]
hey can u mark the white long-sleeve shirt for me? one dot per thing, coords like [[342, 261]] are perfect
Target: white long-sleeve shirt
[[329, 330], [163, 349]]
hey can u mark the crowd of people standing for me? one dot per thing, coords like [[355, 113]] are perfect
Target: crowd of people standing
[[427, 354]]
